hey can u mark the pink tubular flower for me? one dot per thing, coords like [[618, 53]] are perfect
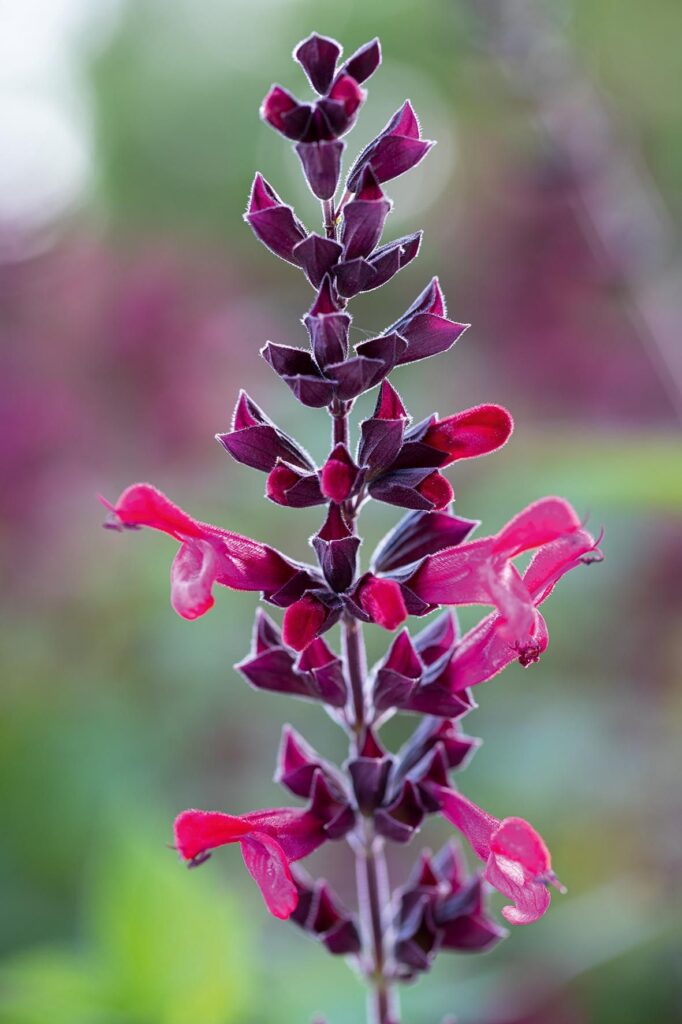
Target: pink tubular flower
[[260, 836], [269, 841], [517, 862], [207, 554], [485, 650], [482, 572]]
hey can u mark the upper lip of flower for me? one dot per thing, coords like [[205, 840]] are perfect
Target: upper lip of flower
[[481, 571]]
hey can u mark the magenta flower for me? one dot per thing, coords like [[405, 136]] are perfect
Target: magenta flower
[[517, 862], [486, 649], [207, 554], [402, 462], [270, 840], [482, 571]]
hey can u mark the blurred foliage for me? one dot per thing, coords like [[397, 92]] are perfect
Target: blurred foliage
[[129, 336], [152, 949]]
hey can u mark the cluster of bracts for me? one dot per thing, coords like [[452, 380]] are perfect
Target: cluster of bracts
[[428, 560]]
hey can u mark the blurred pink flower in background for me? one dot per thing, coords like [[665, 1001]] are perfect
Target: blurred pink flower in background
[[94, 338]]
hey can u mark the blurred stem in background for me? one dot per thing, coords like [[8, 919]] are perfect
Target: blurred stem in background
[[618, 204]]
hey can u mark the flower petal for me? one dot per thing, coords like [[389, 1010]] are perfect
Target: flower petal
[[208, 553], [531, 898], [472, 821], [518, 841], [198, 832], [266, 863], [302, 622], [193, 573], [537, 524], [145, 505]]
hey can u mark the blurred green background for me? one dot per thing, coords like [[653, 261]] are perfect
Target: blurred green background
[[133, 302]]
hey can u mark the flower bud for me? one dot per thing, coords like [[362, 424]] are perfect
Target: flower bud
[[328, 327], [339, 475], [363, 217], [289, 487], [473, 432], [336, 549], [382, 600], [302, 622], [285, 114]]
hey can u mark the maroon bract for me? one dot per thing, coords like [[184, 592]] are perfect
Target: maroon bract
[[273, 222], [442, 908], [427, 560], [395, 150]]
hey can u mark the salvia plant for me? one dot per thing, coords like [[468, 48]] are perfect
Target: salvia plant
[[424, 562]]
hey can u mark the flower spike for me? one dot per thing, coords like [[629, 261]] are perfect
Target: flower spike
[[426, 562]]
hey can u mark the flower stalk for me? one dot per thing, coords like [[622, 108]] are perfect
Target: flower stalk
[[426, 561], [373, 895]]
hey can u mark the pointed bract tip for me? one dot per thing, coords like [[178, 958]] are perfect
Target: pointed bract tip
[[325, 302], [262, 195], [369, 187], [389, 403], [364, 62]]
